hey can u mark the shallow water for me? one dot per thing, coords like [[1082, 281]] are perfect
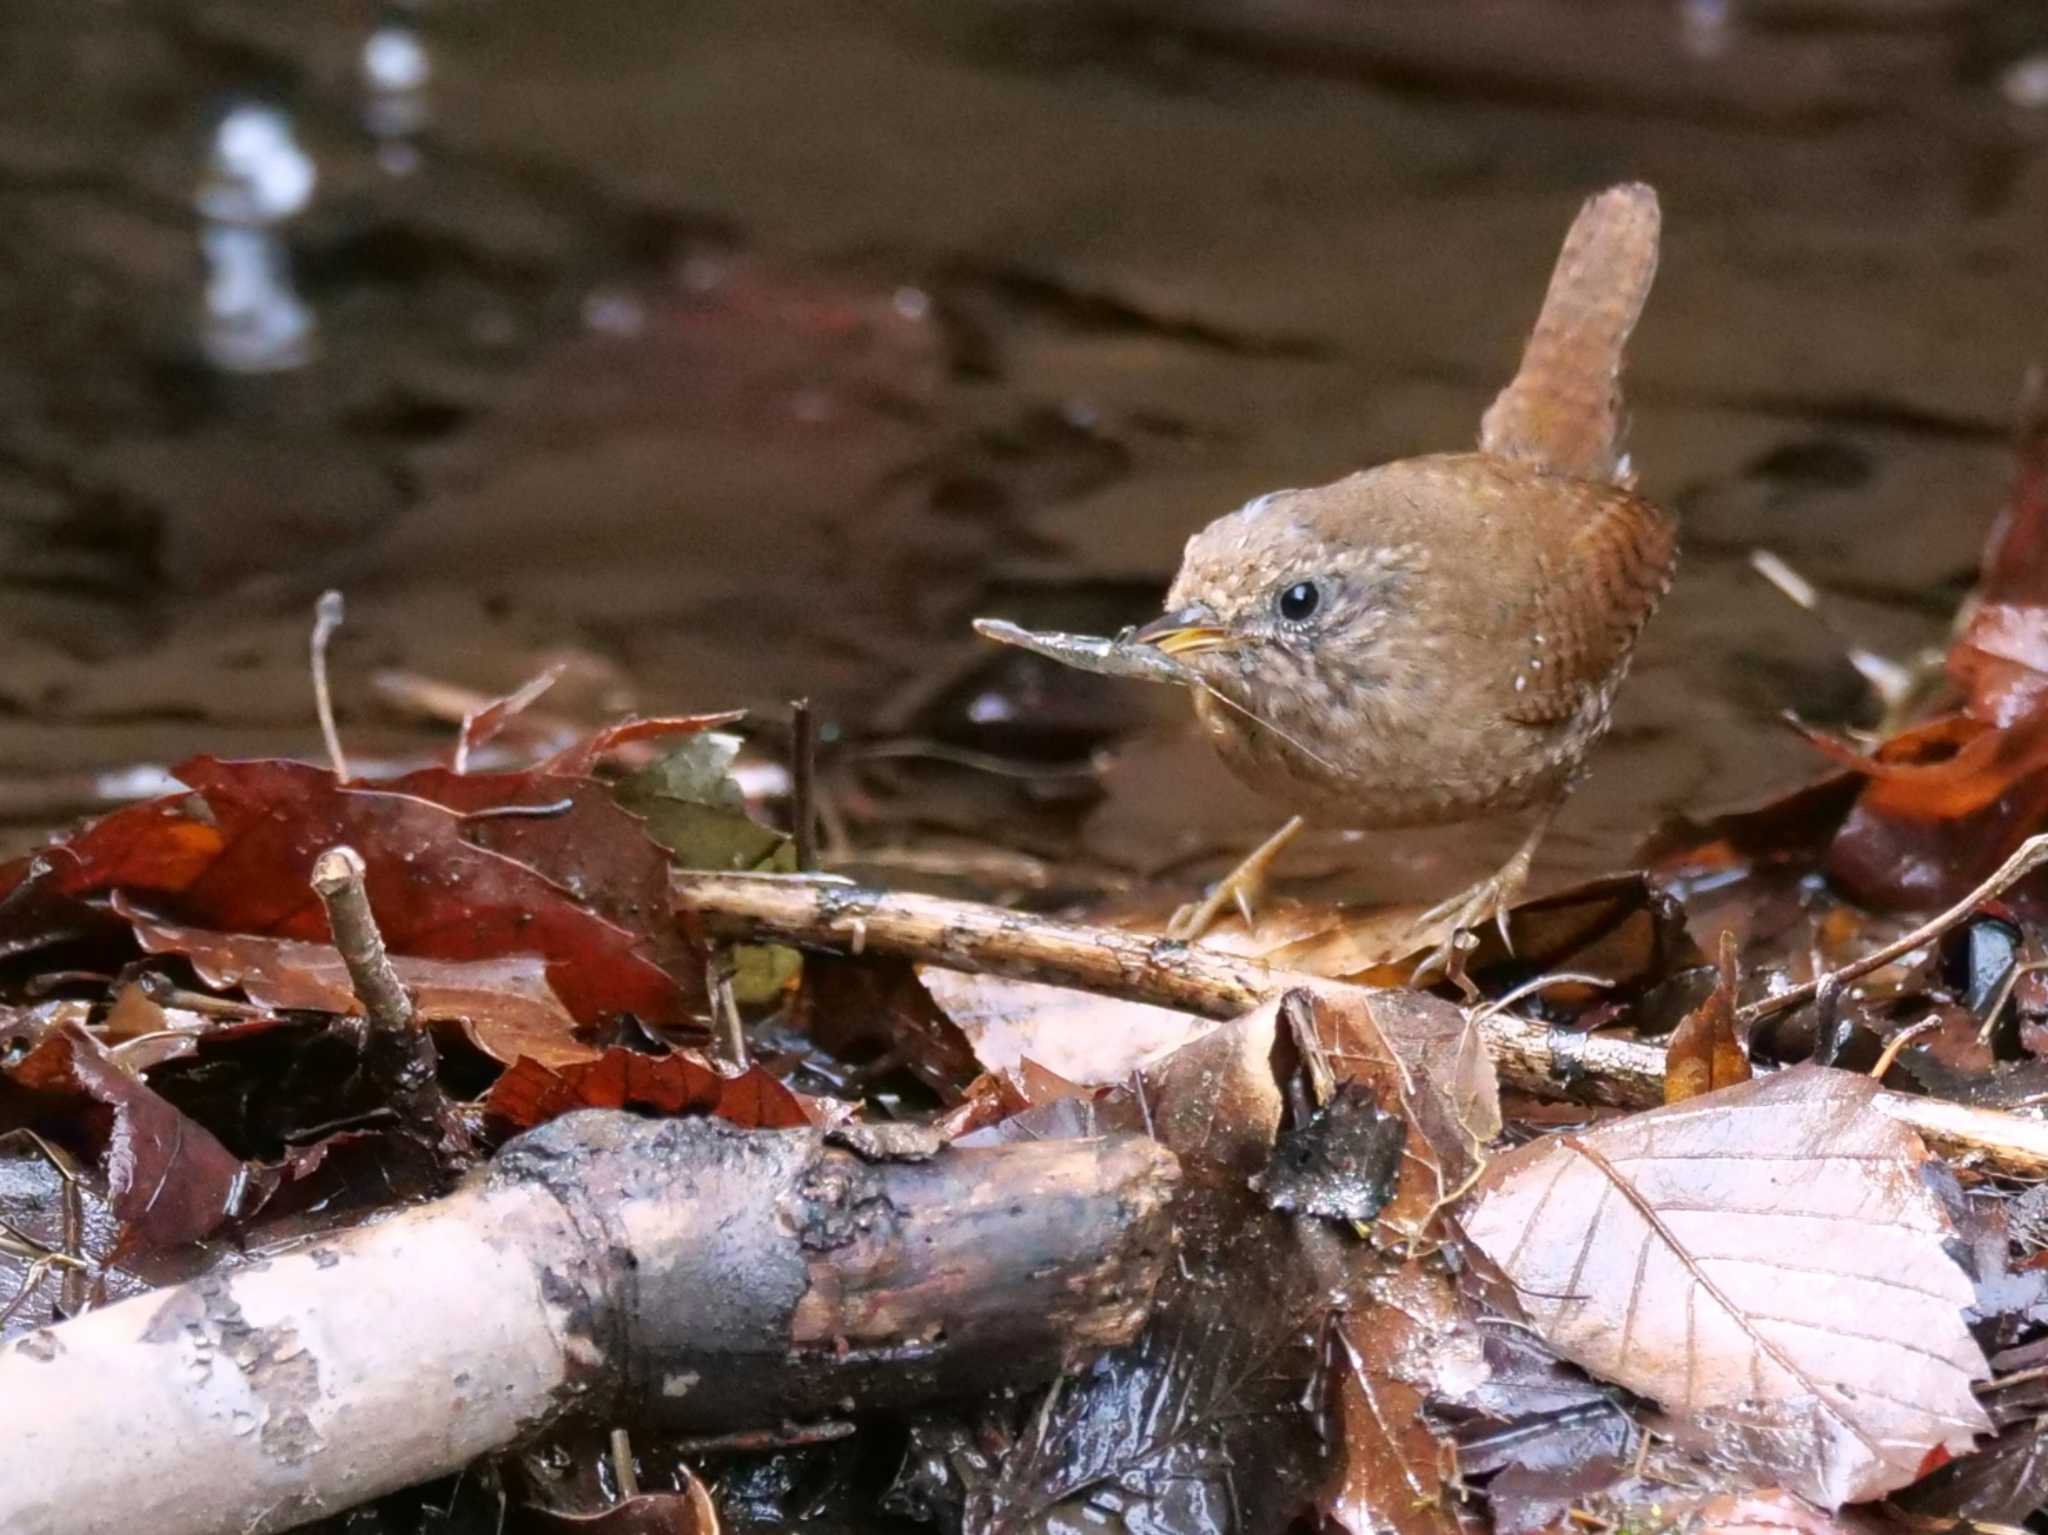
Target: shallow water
[[748, 350]]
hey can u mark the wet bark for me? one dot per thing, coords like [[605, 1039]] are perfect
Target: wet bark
[[681, 1274]]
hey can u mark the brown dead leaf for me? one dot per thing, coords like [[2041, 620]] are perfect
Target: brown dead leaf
[[1774, 1512], [1946, 800], [877, 1005], [1207, 1421], [689, 1512], [1622, 928], [1704, 1053], [1424, 1060], [1086, 1039], [236, 856], [1766, 1263], [1407, 1342]]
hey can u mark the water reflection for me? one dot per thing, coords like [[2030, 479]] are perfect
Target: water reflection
[[1705, 27], [256, 179], [2025, 82], [395, 111]]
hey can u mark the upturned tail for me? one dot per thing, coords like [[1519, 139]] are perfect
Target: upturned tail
[[1564, 409]]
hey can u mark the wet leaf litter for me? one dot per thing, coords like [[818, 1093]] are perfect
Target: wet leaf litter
[[1408, 1289]]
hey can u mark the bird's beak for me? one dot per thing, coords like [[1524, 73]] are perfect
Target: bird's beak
[[1185, 632]]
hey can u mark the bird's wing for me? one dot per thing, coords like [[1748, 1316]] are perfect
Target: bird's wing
[[1596, 586], [1563, 410]]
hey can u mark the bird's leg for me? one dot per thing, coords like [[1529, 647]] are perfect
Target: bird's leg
[[1470, 909], [1241, 887]]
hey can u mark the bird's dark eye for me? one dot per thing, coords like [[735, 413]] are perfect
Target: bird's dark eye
[[1299, 602]]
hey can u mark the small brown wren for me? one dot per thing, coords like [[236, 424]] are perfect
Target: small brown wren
[[1441, 638]]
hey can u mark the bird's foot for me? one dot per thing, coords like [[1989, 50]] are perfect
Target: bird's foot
[[1243, 887], [1469, 910]]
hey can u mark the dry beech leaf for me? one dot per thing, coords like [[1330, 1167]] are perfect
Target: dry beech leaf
[[1763, 1262], [1086, 1039], [1704, 1053]]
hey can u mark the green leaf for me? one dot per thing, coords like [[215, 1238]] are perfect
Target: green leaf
[[694, 808]]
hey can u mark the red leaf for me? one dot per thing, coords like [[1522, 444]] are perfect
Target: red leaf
[[240, 862], [481, 726], [682, 1083], [504, 1005], [167, 1177], [596, 851], [582, 757], [2000, 661]]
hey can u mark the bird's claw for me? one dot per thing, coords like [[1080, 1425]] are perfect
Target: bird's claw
[[1243, 887], [1466, 912]]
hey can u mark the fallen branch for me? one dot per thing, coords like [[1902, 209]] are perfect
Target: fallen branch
[[680, 1273], [960, 935]]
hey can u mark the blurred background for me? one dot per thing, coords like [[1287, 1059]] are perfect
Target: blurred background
[[744, 350]]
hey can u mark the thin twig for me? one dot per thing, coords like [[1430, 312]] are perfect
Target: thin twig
[[962, 935], [788, 1435], [2013, 977], [1508, 999], [338, 881], [622, 1465], [803, 783], [327, 617], [728, 1032], [2026, 858], [1898, 1042]]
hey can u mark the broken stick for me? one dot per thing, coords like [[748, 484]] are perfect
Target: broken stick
[[684, 1273], [961, 935]]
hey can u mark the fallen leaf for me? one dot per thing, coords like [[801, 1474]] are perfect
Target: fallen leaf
[[689, 803], [688, 1512], [1766, 1263], [1216, 1417], [1774, 1511], [571, 831], [1201, 1424], [37, 1207], [482, 726], [679, 1083], [237, 856], [864, 1008], [586, 754], [1423, 1060], [2000, 659], [505, 1006], [1087, 1039], [2003, 1483], [1944, 801], [1624, 929], [168, 1179], [1539, 1434], [1703, 1053], [1407, 1342]]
